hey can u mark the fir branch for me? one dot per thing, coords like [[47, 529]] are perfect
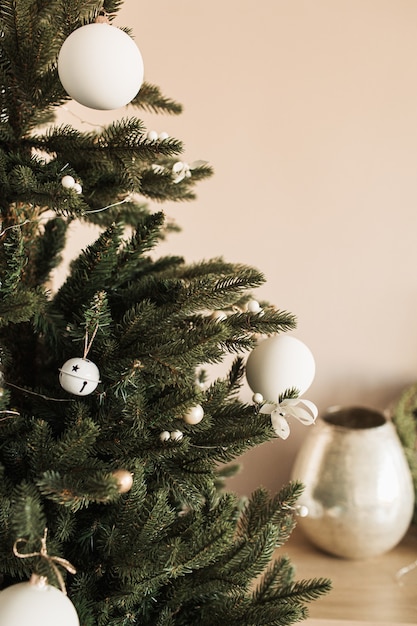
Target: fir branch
[[405, 420], [21, 306], [77, 490], [280, 573], [13, 260], [91, 271], [115, 141], [47, 250], [28, 517], [150, 98]]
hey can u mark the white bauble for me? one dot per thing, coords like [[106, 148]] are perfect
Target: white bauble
[[253, 306], [100, 66], [194, 415], [37, 605], [124, 480], [177, 435], [67, 182], [279, 363], [257, 398], [79, 376]]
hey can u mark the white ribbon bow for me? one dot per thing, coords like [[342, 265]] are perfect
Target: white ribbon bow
[[181, 170], [305, 411]]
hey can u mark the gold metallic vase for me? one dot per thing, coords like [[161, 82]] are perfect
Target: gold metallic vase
[[358, 495]]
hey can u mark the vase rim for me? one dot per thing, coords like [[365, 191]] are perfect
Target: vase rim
[[354, 417]]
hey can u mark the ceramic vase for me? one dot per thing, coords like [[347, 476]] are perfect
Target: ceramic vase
[[358, 494]]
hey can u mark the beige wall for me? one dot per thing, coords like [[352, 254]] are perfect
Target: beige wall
[[307, 110]]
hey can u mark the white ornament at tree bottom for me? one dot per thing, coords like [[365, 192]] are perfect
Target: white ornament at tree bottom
[[280, 363], [79, 376], [36, 603], [100, 66]]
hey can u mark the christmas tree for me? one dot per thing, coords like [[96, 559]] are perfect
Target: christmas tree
[[113, 444]]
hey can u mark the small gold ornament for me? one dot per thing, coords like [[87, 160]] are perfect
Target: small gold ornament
[[124, 480]]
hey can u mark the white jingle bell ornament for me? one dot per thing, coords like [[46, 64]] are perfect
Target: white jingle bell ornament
[[79, 376], [100, 66], [280, 363], [36, 603]]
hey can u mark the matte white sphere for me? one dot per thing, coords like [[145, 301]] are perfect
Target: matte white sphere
[[194, 415], [37, 605], [100, 66], [77, 188], [165, 436], [79, 376], [219, 316], [152, 135], [67, 182], [253, 306], [257, 398], [124, 480], [279, 363], [176, 435]]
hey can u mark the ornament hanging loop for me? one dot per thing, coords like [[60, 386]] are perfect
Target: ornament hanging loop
[[103, 17], [97, 305], [52, 560]]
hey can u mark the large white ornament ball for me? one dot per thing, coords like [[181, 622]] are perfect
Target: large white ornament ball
[[279, 363], [37, 605], [100, 66], [79, 376]]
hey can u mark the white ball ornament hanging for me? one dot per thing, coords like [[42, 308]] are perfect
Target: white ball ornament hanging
[[79, 376], [36, 603], [253, 306], [257, 398], [68, 182], [194, 415], [100, 66], [279, 363], [219, 316], [177, 435], [124, 480]]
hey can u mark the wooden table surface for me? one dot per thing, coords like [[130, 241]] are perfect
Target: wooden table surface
[[365, 593]]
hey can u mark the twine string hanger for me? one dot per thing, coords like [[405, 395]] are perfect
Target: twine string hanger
[[103, 17], [52, 560], [88, 341], [405, 570]]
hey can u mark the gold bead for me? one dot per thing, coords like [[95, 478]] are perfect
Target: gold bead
[[124, 480]]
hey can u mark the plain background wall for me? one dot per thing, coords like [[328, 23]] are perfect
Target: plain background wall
[[307, 110]]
